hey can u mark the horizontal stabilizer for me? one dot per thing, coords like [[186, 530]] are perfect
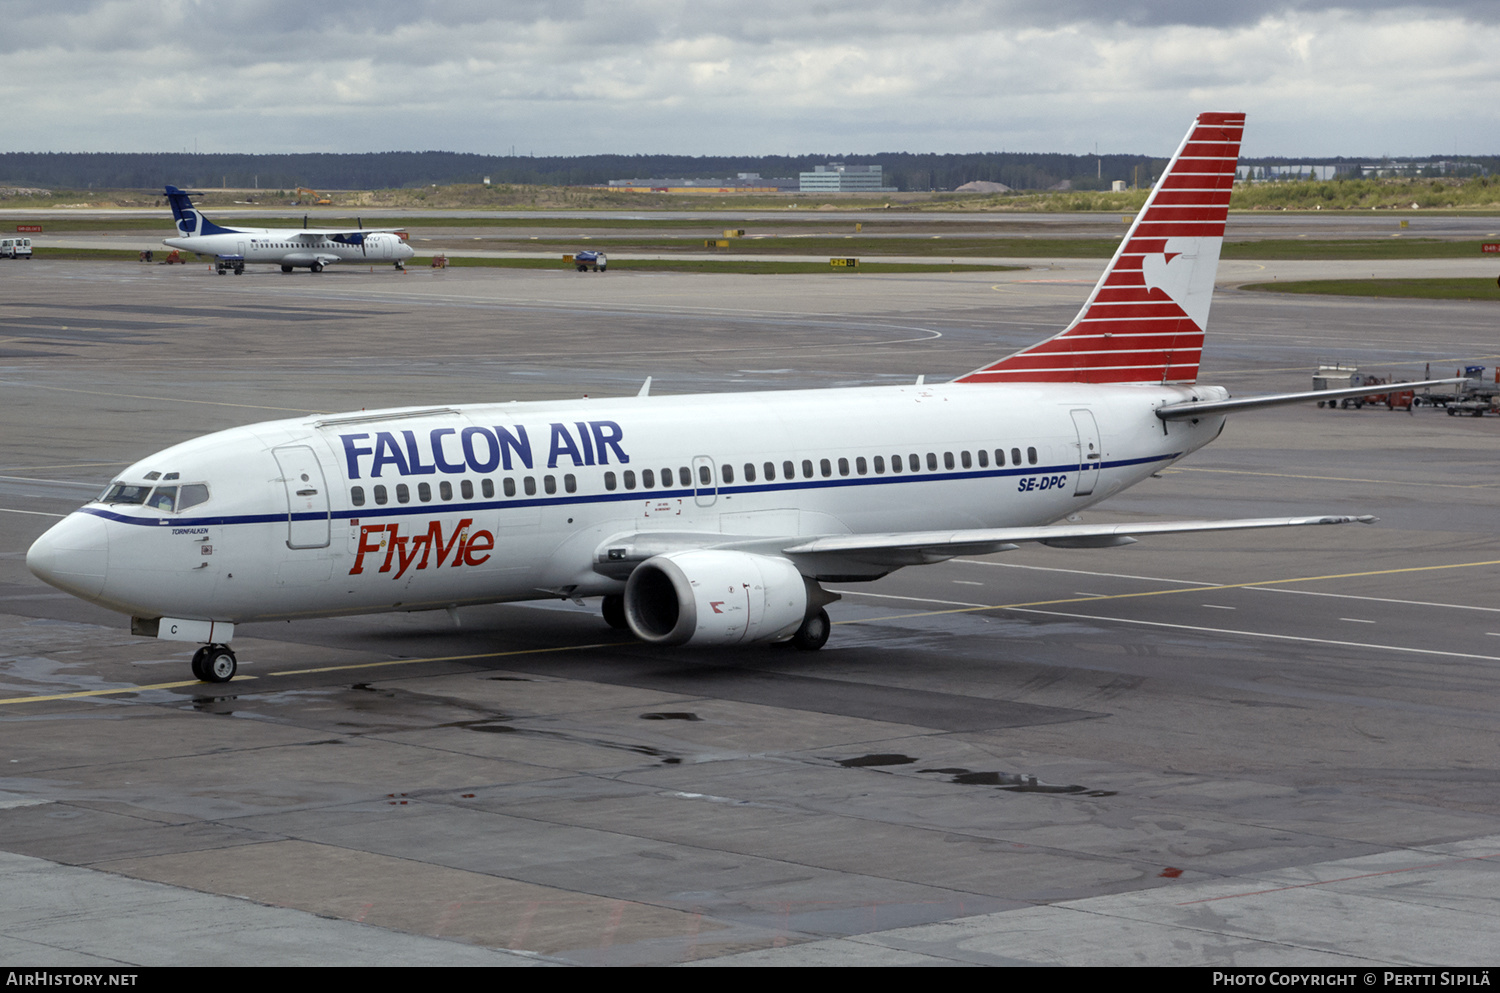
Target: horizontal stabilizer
[[1195, 408]]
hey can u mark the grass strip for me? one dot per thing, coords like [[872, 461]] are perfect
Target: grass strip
[[769, 266], [1421, 289]]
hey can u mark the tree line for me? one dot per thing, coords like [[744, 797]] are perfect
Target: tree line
[[388, 170]]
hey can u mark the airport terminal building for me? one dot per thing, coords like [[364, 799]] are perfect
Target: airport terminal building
[[836, 177]]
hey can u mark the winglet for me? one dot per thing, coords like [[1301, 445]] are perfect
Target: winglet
[[1145, 319]]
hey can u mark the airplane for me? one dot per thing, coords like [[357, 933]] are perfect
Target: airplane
[[290, 248], [701, 520]]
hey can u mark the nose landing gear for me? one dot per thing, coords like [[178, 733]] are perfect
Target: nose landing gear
[[214, 664]]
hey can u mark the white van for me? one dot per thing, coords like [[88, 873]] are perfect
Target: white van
[[15, 248]]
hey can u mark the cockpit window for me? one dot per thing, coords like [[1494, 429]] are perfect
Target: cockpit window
[[126, 493], [168, 498], [191, 495]]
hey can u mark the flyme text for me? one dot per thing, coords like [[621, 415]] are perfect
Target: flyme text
[[401, 550]]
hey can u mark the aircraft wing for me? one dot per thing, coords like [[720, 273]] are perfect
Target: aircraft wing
[[918, 547], [1197, 408], [352, 235], [876, 554]]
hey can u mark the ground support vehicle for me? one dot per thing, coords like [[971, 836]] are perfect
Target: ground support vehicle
[[589, 261], [1475, 403], [224, 263], [15, 248]]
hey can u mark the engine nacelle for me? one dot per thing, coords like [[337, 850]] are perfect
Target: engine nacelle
[[708, 597]]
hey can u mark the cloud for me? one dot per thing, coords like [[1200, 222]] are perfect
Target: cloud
[[718, 77]]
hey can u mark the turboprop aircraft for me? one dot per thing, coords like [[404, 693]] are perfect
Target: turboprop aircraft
[[709, 520], [289, 248]]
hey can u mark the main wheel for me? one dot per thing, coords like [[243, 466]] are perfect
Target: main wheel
[[614, 611], [813, 634], [219, 664], [317, 267], [286, 268]]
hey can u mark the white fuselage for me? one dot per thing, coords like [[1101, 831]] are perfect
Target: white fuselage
[[417, 509], [297, 248]]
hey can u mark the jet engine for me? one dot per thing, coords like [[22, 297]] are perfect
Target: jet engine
[[708, 597]]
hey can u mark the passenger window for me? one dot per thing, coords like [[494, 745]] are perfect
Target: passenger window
[[629, 479], [705, 475], [403, 495], [570, 483], [195, 493], [895, 463], [788, 470], [466, 488], [380, 495], [727, 473], [487, 487], [424, 492], [609, 481], [549, 483], [984, 459], [880, 465], [932, 462], [510, 486], [807, 472], [914, 462], [843, 467], [666, 477], [1031, 456], [860, 466], [947, 460], [648, 479], [529, 484], [749, 472], [684, 477], [1015, 456], [770, 468], [445, 490]]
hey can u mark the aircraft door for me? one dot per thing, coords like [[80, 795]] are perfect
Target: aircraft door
[[385, 248], [1090, 454], [705, 481], [306, 497]]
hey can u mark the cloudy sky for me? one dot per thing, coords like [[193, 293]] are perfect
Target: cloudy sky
[[754, 77]]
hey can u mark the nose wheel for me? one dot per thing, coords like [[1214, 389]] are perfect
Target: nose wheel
[[214, 664]]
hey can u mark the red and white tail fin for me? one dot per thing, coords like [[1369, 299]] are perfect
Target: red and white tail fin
[[1144, 322]]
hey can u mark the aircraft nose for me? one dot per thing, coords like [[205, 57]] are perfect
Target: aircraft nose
[[73, 555]]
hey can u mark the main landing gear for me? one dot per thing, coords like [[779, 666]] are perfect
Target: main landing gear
[[813, 634], [614, 611], [215, 664]]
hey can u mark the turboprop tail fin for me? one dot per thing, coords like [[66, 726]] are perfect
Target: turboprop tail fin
[[190, 220], [1145, 319]]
